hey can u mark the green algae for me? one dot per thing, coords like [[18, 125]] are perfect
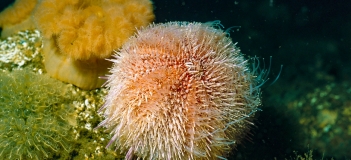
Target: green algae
[[34, 113]]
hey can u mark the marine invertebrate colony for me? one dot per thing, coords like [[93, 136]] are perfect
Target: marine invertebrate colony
[[33, 116], [19, 49], [80, 34], [179, 91]]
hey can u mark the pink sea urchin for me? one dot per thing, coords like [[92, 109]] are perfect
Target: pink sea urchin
[[179, 91]]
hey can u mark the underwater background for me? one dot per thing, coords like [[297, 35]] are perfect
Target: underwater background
[[309, 107]]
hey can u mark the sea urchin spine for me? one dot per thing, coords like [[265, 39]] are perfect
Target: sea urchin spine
[[179, 91]]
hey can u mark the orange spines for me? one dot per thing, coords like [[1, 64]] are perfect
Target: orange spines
[[179, 91]]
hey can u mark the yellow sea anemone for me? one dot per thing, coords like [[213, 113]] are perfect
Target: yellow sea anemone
[[17, 17], [180, 91], [79, 34]]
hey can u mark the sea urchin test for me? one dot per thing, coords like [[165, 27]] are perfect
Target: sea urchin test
[[180, 90]]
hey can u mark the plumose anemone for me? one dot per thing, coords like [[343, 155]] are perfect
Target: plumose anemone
[[180, 91], [78, 35], [17, 17]]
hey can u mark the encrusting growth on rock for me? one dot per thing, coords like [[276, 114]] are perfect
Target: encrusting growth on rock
[[180, 91]]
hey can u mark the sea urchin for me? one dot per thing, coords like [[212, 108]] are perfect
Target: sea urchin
[[180, 91]]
